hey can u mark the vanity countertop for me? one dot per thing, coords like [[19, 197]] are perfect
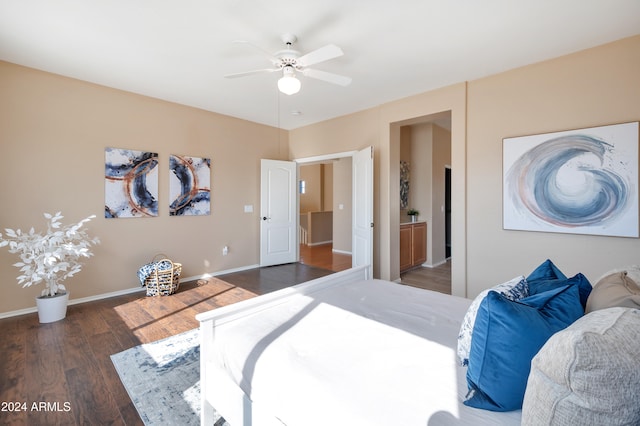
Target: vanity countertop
[[409, 223]]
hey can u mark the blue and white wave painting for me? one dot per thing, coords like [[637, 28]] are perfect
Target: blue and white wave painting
[[131, 183], [582, 182], [189, 187]]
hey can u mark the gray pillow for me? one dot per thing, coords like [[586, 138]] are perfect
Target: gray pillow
[[587, 374], [616, 289]]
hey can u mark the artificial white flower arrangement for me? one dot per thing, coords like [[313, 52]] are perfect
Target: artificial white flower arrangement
[[52, 256]]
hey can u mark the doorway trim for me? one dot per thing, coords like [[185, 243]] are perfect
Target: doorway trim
[[353, 155], [447, 211], [326, 157], [455, 104]]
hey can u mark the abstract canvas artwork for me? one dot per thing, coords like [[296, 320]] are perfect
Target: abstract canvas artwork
[[579, 181], [131, 183], [404, 184], [189, 186]]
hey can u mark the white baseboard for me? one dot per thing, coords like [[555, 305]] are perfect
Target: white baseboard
[[74, 301], [226, 271], [18, 312], [429, 265], [341, 251], [123, 292], [319, 243]]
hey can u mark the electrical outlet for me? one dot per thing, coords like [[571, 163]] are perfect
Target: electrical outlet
[[225, 250]]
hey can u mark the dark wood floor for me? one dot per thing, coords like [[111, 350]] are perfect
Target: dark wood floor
[[271, 278], [67, 366], [437, 278]]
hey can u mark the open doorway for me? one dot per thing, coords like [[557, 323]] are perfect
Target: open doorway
[[325, 213], [360, 200], [425, 174]]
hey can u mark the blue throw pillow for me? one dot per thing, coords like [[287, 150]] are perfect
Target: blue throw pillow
[[579, 280], [506, 336], [547, 276], [514, 289], [547, 271]]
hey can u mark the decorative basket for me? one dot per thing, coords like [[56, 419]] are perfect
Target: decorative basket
[[164, 278]]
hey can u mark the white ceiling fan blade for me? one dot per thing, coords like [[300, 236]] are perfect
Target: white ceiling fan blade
[[327, 76], [266, 54], [246, 73], [330, 51]]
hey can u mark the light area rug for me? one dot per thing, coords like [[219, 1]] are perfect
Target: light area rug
[[163, 379]]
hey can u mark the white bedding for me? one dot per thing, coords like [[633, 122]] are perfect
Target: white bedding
[[363, 353]]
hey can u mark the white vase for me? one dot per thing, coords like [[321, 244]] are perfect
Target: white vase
[[51, 309]]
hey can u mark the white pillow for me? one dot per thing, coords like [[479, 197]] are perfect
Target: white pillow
[[587, 373], [514, 289]]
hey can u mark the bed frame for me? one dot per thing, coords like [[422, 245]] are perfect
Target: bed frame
[[227, 398]]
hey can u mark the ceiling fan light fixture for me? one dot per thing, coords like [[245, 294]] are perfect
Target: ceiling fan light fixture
[[289, 84]]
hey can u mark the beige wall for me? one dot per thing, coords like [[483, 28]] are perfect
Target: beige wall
[[327, 187], [342, 196], [53, 132], [311, 200], [441, 159], [318, 196], [590, 88], [320, 228], [342, 134], [421, 168], [594, 87], [380, 127]]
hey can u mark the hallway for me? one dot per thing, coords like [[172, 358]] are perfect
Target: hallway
[[321, 256]]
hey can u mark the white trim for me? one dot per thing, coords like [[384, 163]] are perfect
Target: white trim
[[325, 157], [18, 312], [319, 243], [224, 272], [105, 295], [123, 292], [341, 251], [74, 301], [435, 265]]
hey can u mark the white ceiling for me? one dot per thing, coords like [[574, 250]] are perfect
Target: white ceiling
[[179, 50]]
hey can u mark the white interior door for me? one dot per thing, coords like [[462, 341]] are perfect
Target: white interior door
[[278, 212], [362, 229]]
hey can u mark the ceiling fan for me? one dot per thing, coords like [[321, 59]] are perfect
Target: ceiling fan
[[290, 62]]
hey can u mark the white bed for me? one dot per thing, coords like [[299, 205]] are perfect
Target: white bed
[[339, 350]]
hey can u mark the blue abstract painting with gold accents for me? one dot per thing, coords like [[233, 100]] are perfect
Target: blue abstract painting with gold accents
[[189, 186], [131, 183], [580, 181]]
